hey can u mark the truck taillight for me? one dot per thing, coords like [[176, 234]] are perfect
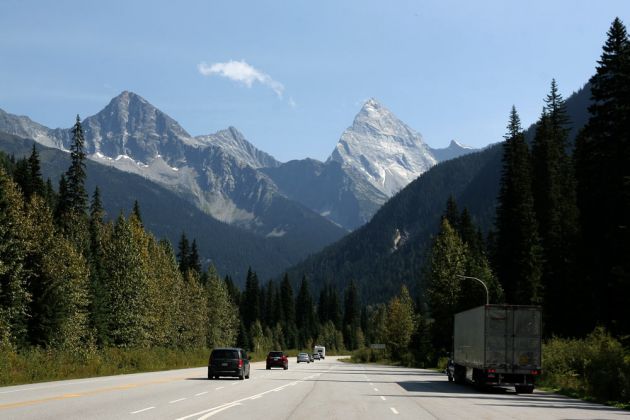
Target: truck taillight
[[491, 370], [535, 372]]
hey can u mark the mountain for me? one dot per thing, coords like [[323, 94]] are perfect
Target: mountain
[[232, 250], [214, 173], [235, 144], [373, 159], [390, 249], [454, 150]]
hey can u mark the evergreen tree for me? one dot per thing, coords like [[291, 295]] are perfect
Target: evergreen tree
[[351, 316], [250, 305], [603, 174], [553, 188], [136, 211], [14, 295], [452, 213], [36, 181], [75, 176], [518, 248], [288, 311], [98, 298], [193, 258], [222, 314], [304, 314], [183, 254], [447, 260]]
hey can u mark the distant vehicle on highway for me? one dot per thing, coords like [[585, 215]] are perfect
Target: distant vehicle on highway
[[316, 356], [229, 361], [321, 350], [277, 359], [303, 357]]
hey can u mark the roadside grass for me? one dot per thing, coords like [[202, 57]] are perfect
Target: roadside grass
[[41, 365]]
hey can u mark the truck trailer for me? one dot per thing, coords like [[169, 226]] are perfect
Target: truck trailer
[[497, 345]]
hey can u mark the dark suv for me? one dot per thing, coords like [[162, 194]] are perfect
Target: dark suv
[[277, 359], [228, 362]]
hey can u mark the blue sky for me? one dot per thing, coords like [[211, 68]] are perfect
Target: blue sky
[[292, 74]]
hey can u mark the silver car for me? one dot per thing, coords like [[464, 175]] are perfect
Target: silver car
[[303, 357]]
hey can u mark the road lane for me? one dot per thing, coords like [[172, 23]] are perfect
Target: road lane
[[325, 389]]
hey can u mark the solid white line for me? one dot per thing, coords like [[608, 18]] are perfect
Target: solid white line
[[217, 411], [140, 411], [383, 398], [255, 397], [376, 389], [221, 387], [371, 384], [176, 401], [201, 393], [393, 410]]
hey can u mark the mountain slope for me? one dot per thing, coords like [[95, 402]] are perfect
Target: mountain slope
[[232, 250], [132, 135], [234, 143], [390, 249]]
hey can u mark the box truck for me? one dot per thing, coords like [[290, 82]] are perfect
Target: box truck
[[497, 345]]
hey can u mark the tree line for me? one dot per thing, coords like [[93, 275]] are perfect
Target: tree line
[[562, 232]]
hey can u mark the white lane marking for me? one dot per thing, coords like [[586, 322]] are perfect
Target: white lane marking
[[376, 389], [383, 398], [176, 401], [371, 384], [218, 410], [201, 393], [393, 410], [235, 383], [221, 387], [140, 411], [211, 411]]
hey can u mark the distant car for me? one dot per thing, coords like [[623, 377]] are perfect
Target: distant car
[[277, 359], [229, 361], [303, 357], [316, 356]]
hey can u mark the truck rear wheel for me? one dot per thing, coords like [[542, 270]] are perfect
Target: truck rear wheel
[[524, 389], [459, 374]]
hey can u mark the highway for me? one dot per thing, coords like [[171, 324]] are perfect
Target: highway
[[327, 389]]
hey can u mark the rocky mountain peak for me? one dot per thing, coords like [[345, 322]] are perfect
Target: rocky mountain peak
[[381, 148]]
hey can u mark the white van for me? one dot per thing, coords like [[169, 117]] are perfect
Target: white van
[[321, 350]]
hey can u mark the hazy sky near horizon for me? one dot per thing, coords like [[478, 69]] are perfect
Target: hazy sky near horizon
[[291, 75]]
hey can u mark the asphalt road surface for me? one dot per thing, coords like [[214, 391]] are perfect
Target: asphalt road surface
[[322, 390]]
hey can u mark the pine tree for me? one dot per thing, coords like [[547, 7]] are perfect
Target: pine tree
[[183, 254], [351, 316], [98, 298], [250, 306], [553, 188], [36, 181], [447, 259], [136, 211], [603, 173], [222, 314], [14, 295], [76, 174], [518, 250], [193, 258], [304, 314]]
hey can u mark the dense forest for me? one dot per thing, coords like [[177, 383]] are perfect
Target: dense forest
[[75, 280]]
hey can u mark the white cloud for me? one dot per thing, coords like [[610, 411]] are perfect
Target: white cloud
[[241, 72]]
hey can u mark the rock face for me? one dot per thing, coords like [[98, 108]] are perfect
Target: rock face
[[218, 173], [383, 150], [227, 177]]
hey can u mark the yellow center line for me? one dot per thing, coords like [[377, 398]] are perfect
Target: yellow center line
[[88, 393]]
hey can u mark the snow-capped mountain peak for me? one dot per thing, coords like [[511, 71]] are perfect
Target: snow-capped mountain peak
[[382, 149]]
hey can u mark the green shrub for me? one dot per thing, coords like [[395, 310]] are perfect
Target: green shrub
[[597, 367]]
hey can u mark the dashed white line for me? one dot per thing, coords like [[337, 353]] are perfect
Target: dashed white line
[[393, 410], [218, 410], [376, 389], [176, 401], [201, 393], [383, 398], [221, 387], [371, 384], [140, 411]]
